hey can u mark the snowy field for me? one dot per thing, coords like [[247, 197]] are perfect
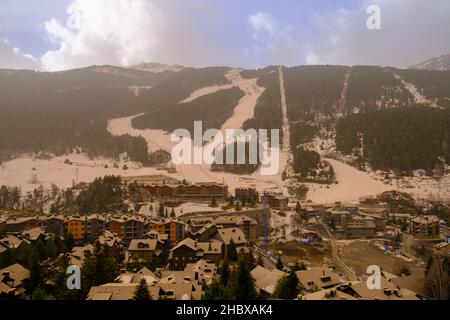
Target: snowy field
[[29, 173]]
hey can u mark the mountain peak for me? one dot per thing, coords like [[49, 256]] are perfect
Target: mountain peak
[[439, 63]]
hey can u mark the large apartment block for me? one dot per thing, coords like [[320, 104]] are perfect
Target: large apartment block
[[425, 227]]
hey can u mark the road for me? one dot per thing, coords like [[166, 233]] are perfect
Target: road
[[348, 272]]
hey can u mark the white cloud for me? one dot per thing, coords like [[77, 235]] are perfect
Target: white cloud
[[124, 32], [412, 31], [13, 58], [273, 42]]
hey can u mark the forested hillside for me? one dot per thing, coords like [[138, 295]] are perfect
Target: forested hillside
[[373, 88], [434, 85], [55, 112], [402, 139], [268, 113], [213, 109]]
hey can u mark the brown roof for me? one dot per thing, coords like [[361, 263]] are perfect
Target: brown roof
[[204, 247], [10, 241], [385, 293], [143, 245], [318, 277], [414, 282], [235, 234], [266, 279], [327, 294], [16, 273], [33, 234]]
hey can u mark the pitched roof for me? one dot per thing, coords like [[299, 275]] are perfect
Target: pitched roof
[[108, 238], [326, 294], [143, 245], [10, 241], [235, 234], [16, 272], [320, 277], [266, 279], [204, 247], [33, 234], [112, 291], [387, 291]]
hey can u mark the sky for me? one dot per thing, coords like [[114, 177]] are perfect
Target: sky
[[53, 35]]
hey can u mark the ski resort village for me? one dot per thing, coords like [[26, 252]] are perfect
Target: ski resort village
[[93, 207]]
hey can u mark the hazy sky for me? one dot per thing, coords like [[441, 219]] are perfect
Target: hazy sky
[[62, 34]]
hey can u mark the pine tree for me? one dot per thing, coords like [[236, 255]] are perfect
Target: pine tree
[[69, 242], [231, 251], [141, 292], [250, 258], [242, 285], [260, 261], [287, 287], [225, 271], [279, 264], [215, 292]]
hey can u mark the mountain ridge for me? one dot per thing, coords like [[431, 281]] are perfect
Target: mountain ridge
[[441, 63]]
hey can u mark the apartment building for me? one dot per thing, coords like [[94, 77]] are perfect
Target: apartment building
[[425, 228]]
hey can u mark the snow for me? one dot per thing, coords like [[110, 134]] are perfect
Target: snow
[[138, 89], [19, 172], [419, 98], [352, 185], [156, 139], [246, 108], [206, 91], [286, 155]]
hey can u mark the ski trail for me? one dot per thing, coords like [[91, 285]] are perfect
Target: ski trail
[[343, 99], [419, 98], [285, 154]]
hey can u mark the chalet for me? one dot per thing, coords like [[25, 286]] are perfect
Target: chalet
[[232, 234], [21, 224], [11, 241], [78, 254], [317, 278], [12, 280], [35, 234], [190, 251], [144, 249], [266, 280]]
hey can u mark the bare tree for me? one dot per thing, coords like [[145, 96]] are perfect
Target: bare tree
[[437, 281]]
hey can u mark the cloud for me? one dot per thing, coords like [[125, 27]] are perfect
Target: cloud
[[13, 58], [125, 32], [273, 42], [412, 31]]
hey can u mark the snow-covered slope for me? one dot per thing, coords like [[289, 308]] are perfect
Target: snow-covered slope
[[439, 63]]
